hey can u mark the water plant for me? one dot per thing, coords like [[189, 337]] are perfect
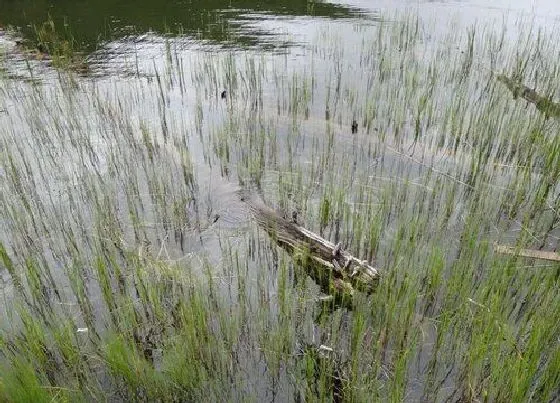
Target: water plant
[[132, 271]]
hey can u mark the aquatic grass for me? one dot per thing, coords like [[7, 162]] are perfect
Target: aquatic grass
[[134, 281], [21, 382]]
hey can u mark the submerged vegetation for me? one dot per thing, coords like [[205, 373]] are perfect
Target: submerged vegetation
[[131, 270]]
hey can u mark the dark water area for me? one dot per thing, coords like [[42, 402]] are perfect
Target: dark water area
[[97, 29], [93, 22], [230, 23]]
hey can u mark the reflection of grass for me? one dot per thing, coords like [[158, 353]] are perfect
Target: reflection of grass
[[98, 187]]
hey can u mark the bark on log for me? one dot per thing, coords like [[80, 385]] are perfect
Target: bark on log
[[337, 272], [543, 104]]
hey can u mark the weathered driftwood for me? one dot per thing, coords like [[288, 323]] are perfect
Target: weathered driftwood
[[543, 104], [531, 253], [337, 272]]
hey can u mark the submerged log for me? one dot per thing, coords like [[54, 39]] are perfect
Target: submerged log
[[543, 104], [337, 272], [530, 253]]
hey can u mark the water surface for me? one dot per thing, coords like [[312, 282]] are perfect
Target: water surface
[[149, 107]]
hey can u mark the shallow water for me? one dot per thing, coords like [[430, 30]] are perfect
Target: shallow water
[[132, 47], [162, 68]]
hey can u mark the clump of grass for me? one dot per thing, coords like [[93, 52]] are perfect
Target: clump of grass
[[59, 45]]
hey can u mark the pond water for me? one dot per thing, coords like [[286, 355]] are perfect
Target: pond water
[[242, 23], [176, 105]]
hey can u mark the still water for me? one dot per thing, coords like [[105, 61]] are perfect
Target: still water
[[128, 46], [264, 24], [194, 74]]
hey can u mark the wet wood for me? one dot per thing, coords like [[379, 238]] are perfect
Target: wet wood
[[543, 103], [530, 253], [337, 272]]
